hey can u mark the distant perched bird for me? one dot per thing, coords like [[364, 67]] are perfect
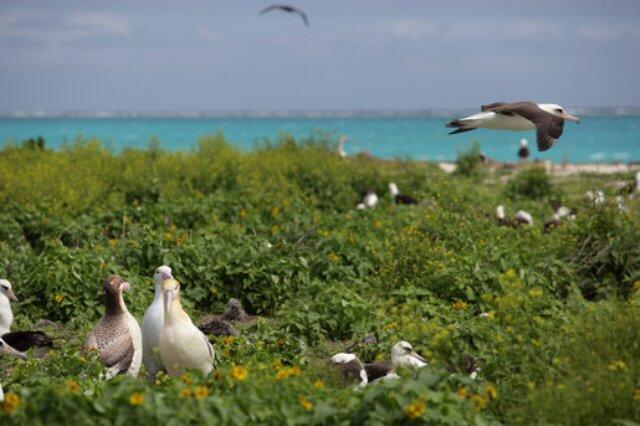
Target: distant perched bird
[[351, 368], [595, 197], [369, 200], [6, 349], [19, 340], [400, 198], [117, 337], [152, 324], [341, 152], [547, 119], [182, 344], [523, 152], [287, 8]]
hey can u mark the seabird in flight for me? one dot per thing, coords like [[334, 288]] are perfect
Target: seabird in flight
[[287, 8], [547, 119]]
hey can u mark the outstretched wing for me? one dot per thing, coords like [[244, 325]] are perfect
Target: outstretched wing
[[548, 126], [487, 107], [269, 9]]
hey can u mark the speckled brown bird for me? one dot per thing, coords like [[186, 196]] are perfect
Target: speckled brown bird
[[117, 337]]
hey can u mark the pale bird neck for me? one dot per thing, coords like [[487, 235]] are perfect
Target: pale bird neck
[[6, 314], [175, 313]]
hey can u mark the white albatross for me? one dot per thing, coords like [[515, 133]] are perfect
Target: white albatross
[[403, 355], [152, 325], [6, 349], [182, 344], [547, 119]]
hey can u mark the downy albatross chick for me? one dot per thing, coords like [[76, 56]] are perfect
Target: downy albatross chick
[[547, 119], [182, 344], [117, 336], [152, 325], [6, 349], [19, 340], [399, 198]]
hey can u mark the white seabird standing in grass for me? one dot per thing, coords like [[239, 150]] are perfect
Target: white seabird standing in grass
[[6, 349], [547, 119], [182, 344], [152, 325]]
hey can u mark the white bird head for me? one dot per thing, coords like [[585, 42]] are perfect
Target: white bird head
[[400, 349], [161, 273], [393, 189], [523, 143], [5, 289], [557, 110], [500, 212], [170, 292], [6, 349], [342, 358]]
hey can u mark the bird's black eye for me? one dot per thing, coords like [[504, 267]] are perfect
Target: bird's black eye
[[559, 110], [5, 287]]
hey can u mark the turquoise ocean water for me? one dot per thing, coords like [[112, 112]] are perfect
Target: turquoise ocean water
[[596, 139]]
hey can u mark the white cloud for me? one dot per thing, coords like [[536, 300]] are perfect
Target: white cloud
[[56, 29], [605, 32], [208, 35]]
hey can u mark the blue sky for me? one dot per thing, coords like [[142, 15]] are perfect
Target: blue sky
[[409, 54]]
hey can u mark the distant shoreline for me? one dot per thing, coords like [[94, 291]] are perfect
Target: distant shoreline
[[293, 114]]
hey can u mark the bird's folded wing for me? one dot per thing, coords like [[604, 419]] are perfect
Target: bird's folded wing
[[378, 369], [117, 351]]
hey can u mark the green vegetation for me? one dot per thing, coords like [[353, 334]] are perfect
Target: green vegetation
[[559, 341]]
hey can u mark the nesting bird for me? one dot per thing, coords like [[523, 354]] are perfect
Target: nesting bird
[[520, 218], [117, 337], [182, 344], [19, 340], [402, 356], [351, 369], [595, 197], [547, 119], [6, 349], [369, 200], [152, 324], [523, 152], [399, 198]]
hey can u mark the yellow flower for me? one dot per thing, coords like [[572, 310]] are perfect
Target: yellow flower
[[318, 384], [58, 298], [73, 386], [459, 305], [377, 224], [295, 371], [535, 292], [239, 373], [479, 402], [636, 395], [136, 399], [461, 393], [333, 257], [186, 379], [636, 285], [185, 393], [275, 212], [282, 374], [11, 402], [201, 392], [617, 365], [415, 409], [306, 404], [243, 213], [228, 340], [490, 391]]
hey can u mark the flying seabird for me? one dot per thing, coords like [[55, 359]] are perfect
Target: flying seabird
[[547, 119], [399, 198], [182, 344], [523, 152], [351, 368], [19, 340], [117, 336], [287, 8], [6, 349], [152, 325]]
